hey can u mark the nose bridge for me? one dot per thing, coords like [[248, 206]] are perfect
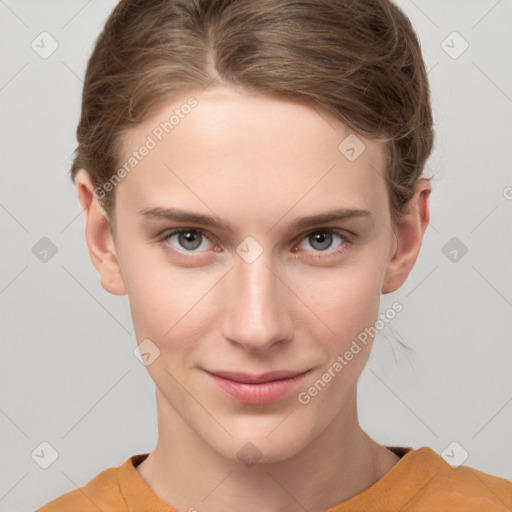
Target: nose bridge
[[256, 316]]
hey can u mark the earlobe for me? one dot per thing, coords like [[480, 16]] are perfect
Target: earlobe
[[409, 235], [98, 235]]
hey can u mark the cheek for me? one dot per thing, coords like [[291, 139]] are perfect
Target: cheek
[[345, 300], [168, 305]]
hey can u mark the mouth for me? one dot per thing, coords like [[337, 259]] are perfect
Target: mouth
[[257, 389]]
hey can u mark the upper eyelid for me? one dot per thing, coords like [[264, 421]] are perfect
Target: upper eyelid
[[173, 231]]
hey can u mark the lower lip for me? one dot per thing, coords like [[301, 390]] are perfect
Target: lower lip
[[258, 394]]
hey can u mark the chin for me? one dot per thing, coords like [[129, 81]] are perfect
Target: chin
[[257, 446]]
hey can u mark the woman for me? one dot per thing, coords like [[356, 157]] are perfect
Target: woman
[[251, 177]]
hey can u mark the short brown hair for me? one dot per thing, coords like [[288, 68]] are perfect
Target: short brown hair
[[360, 60]]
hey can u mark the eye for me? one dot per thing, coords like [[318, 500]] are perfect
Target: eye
[[195, 241], [323, 239], [187, 240]]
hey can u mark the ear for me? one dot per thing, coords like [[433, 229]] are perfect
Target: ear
[[98, 235], [409, 235]]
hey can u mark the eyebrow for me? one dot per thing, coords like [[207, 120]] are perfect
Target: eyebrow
[[175, 214]]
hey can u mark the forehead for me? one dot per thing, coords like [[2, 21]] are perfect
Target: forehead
[[256, 150]]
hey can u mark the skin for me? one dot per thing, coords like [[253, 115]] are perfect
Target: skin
[[257, 162]]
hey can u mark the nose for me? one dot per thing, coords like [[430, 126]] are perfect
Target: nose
[[256, 306]]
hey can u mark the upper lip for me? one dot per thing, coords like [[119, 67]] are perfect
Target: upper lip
[[251, 378]]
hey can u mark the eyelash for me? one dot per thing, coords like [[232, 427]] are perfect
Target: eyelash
[[163, 238]]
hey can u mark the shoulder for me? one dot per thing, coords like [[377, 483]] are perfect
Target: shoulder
[[470, 487], [461, 488], [101, 493]]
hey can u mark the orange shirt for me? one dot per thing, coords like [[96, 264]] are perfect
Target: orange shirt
[[422, 481]]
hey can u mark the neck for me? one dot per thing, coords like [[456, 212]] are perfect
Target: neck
[[338, 464]]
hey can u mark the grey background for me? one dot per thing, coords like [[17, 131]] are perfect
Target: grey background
[[68, 373]]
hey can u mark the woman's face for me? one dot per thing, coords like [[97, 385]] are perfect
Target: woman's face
[[251, 285]]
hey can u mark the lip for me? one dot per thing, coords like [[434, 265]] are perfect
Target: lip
[[257, 389]]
